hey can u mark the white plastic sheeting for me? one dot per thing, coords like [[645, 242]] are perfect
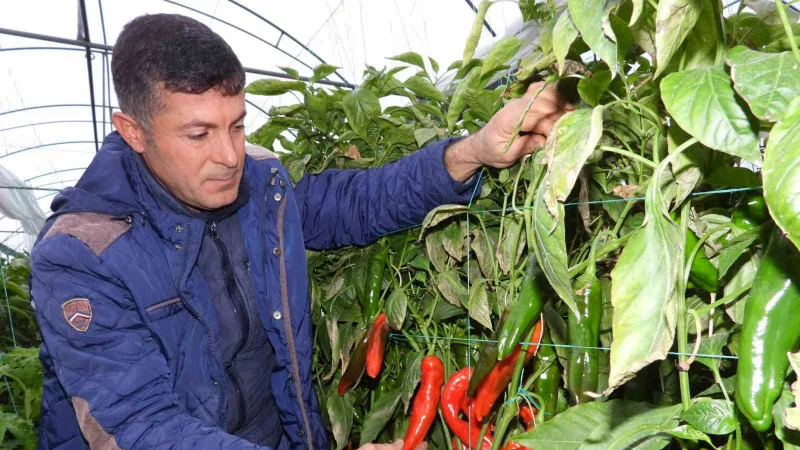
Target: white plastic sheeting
[[49, 146]]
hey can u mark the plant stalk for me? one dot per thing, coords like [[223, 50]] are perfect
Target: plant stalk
[[788, 27], [683, 336]]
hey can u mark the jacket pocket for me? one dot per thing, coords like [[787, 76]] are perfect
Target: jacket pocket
[[162, 310]]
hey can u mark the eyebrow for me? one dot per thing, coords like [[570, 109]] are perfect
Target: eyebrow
[[204, 124]]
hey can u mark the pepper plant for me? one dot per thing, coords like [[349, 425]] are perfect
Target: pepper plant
[[645, 254]]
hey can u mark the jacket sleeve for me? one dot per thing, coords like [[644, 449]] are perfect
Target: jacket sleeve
[[113, 372], [356, 207]]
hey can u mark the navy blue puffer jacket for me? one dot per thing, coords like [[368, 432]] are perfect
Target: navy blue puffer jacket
[[130, 352]]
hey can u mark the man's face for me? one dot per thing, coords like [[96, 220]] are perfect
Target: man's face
[[196, 148]]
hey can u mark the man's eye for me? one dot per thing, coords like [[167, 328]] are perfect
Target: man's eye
[[239, 127], [198, 137]]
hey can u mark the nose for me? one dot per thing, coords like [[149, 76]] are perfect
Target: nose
[[226, 154]]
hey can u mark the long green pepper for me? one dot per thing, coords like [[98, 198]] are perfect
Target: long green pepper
[[771, 328], [370, 301], [584, 334], [547, 384], [524, 312]]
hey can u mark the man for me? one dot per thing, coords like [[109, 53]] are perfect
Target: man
[[170, 283]]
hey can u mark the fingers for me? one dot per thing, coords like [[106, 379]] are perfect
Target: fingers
[[541, 121], [548, 94], [532, 142]]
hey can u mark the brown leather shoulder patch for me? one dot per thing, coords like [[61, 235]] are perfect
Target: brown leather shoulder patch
[[259, 153], [97, 231], [92, 431]]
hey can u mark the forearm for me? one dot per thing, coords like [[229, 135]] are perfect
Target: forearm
[[460, 158]]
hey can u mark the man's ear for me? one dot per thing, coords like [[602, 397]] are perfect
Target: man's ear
[[130, 130]]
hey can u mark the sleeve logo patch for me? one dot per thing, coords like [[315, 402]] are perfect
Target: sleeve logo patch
[[78, 313]]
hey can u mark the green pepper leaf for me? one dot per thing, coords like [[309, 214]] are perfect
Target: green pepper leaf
[[611, 424], [564, 34], [674, 20], [781, 173], [396, 306], [379, 415], [322, 71], [340, 412], [500, 53], [546, 35], [687, 167], [424, 88], [638, 7], [572, 140], [291, 72], [412, 376], [454, 238], [704, 104], [689, 433], [787, 422], [271, 86], [435, 250], [643, 293], [424, 135], [729, 255], [711, 416], [434, 65], [361, 108], [594, 86], [445, 311], [734, 177], [768, 82], [484, 250], [587, 15], [410, 58], [712, 346]]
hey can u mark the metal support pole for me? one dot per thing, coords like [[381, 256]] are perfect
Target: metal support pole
[[96, 46], [83, 35]]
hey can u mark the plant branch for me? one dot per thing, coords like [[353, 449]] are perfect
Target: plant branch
[[788, 27], [630, 155]]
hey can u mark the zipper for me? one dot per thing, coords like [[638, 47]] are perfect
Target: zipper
[[193, 312], [287, 320], [234, 291], [243, 316], [236, 381]]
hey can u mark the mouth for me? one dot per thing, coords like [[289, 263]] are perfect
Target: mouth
[[223, 181]]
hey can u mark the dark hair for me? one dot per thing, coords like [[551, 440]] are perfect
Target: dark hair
[[171, 51]]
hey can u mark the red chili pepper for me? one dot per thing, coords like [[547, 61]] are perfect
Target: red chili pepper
[[378, 336], [492, 387], [528, 413], [453, 398], [426, 402]]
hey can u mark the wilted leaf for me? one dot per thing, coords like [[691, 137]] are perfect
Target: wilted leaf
[[440, 214], [479, 305], [674, 20], [352, 152], [340, 412], [638, 6], [569, 145], [458, 101], [500, 53], [451, 288], [483, 251], [379, 415], [511, 244], [611, 424], [564, 34], [587, 15], [435, 251], [643, 293], [453, 238], [704, 104], [782, 173], [550, 246], [270, 86], [396, 308], [711, 416]]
